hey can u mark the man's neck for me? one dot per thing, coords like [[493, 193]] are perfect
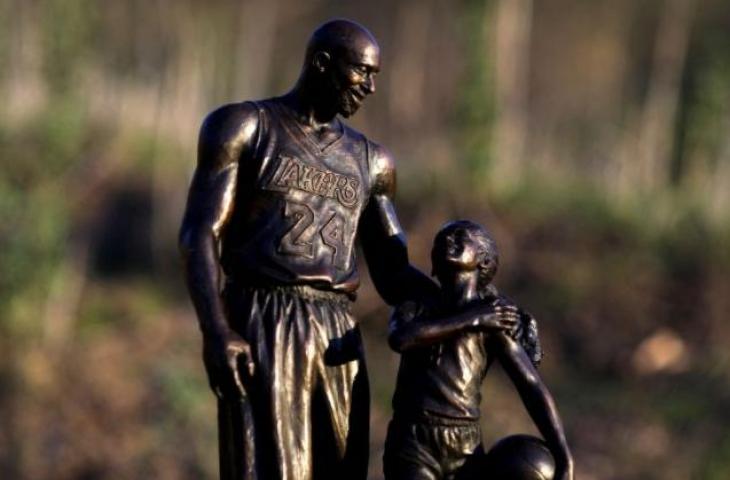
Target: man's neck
[[310, 108]]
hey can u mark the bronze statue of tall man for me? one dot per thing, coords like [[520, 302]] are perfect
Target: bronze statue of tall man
[[282, 190]]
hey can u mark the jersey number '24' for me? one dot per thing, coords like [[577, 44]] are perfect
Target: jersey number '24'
[[299, 239]]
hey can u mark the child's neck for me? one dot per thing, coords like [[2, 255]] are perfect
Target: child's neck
[[462, 289]]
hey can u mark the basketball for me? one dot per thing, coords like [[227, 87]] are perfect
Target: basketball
[[520, 457]]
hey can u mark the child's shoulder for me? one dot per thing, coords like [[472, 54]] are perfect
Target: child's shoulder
[[502, 300], [526, 333]]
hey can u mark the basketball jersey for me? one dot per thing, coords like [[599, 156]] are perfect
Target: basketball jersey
[[298, 204], [442, 380]]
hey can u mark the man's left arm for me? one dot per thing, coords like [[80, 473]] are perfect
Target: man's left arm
[[383, 241]]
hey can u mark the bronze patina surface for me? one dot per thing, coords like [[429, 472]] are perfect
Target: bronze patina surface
[[282, 191], [446, 351]]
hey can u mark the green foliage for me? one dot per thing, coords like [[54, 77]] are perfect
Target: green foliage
[[717, 462], [67, 40], [474, 113], [44, 149], [34, 203], [706, 120]]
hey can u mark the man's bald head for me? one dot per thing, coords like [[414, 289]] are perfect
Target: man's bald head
[[343, 38]]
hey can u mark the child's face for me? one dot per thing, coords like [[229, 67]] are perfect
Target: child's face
[[458, 251]]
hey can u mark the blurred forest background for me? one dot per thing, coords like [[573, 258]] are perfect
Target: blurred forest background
[[592, 138]]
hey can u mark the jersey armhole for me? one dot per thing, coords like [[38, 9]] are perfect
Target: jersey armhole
[[369, 170], [369, 162], [259, 127]]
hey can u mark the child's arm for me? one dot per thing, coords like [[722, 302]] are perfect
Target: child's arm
[[537, 399], [409, 327]]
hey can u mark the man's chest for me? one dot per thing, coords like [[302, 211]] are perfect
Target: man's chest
[[308, 202]]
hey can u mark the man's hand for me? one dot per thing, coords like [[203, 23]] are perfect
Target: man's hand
[[223, 353]]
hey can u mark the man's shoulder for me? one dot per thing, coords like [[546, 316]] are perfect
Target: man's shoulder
[[380, 156], [231, 116], [382, 168], [230, 128]]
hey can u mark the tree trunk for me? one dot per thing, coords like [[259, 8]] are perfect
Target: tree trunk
[[512, 55], [655, 144]]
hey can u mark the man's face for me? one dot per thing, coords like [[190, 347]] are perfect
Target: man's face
[[352, 77]]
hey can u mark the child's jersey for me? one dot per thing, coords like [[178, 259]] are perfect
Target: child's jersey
[[444, 380], [441, 380]]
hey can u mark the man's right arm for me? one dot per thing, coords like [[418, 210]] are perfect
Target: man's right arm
[[227, 137], [383, 240]]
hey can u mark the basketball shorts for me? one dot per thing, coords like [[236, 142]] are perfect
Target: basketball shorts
[[432, 450], [307, 410]]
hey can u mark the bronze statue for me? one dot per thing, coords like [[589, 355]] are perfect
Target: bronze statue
[[282, 190], [446, 351]]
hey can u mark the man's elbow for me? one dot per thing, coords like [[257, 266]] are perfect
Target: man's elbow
[[185, 242], [192, 239]]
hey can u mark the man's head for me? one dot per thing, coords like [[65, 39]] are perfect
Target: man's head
[[464, 246], [343, 58]]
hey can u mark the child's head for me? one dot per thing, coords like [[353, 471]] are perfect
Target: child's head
[[461, 246], [464, 246]]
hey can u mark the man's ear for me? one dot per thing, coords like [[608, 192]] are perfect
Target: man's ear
[[321, 61]]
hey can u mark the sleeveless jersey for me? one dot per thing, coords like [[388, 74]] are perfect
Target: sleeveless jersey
[[442, 380], [297, 207]]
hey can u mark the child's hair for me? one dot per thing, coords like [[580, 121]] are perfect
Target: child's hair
[[526, 333]]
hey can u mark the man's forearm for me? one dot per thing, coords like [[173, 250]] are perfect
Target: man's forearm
[[202, 276], [395, 279], [415, 285]]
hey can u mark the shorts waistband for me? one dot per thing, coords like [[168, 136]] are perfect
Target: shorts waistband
[[306, 292], [423, 418]]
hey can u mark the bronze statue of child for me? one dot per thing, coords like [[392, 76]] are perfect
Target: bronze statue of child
[[446, 351]]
